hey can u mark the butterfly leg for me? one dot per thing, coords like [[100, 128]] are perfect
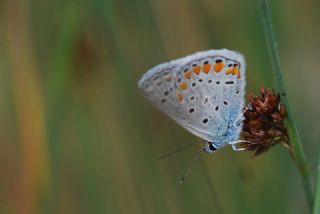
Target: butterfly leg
[[234, 145], [240, 117]]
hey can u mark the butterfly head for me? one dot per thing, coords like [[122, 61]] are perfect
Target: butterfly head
[[209, 147]]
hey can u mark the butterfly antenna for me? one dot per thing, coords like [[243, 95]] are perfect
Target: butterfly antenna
[[178, 150], [196, 157]]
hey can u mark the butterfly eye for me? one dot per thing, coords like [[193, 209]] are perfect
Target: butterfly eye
[[211, 147]]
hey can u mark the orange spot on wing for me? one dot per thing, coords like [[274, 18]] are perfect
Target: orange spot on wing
[[179, 97], [218, 66], [229, 71], [187, 74], [206, 68], [235, 70], [196, 69], [183, 85], [238, 73]]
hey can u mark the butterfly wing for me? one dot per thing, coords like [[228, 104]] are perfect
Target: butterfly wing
[[203, 92]]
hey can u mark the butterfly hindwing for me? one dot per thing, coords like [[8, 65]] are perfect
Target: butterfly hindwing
[[202, 92]]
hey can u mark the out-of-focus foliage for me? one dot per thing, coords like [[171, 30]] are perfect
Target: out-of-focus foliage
[[77, 137]]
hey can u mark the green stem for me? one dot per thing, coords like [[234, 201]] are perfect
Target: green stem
[[316, 207], [300, 159]]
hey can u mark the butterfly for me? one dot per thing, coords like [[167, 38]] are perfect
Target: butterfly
[[203, 92]]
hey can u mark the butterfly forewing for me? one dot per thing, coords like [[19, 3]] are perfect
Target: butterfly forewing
[[202, 92]]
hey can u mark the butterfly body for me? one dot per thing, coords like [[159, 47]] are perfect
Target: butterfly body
[[203, 92]]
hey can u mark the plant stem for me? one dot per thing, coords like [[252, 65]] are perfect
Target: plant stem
[[316, 207], [300, 159]]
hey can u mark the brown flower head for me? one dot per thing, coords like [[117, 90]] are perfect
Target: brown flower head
[[263, 125]]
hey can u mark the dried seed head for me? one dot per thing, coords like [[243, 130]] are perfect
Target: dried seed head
[[263, 125]]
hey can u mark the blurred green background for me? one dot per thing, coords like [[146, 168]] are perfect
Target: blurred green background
[[76, 135]]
